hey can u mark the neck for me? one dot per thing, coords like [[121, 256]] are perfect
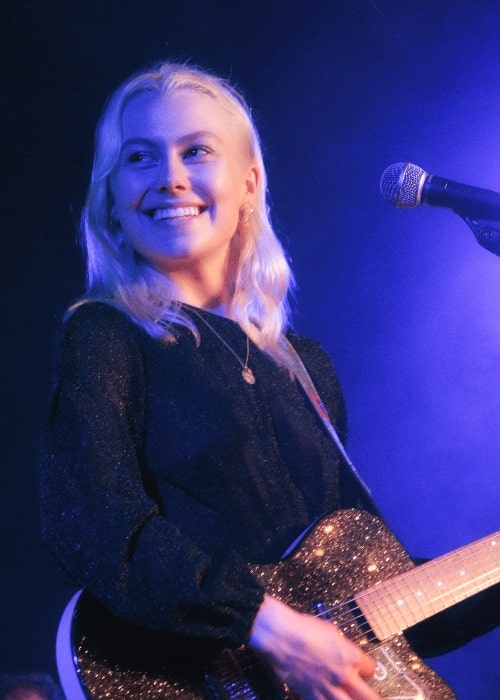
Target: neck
[[202, 289], [219, 310], [215, 303]]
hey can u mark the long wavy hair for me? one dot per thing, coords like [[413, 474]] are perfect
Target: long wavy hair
[[261, 278]]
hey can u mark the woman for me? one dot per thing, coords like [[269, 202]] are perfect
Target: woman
[[180, 445]]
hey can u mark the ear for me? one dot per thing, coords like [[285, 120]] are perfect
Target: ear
[[252, 180], [113, 218]]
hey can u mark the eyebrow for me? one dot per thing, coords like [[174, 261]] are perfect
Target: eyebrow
[[192, 136]]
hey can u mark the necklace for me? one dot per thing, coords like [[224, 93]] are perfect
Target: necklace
[[246, 372]]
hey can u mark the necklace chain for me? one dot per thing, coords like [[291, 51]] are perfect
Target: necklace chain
[[246, 372]]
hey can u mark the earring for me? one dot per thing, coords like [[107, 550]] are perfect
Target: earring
[[246, 215], [113, 219], [116, 234]]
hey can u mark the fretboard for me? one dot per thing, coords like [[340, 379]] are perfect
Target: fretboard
[[394, 605]]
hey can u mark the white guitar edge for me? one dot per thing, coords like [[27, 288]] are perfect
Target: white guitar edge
[[65, 658]]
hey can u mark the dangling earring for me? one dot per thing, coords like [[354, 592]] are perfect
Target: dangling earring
[[246, 216], [116, 230], [113, 219]]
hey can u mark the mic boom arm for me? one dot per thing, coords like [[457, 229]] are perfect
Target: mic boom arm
[[486, 232]]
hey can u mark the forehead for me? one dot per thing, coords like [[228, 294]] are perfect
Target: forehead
[[175, 114]]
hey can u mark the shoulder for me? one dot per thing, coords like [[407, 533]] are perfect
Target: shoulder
[[98, 324], [98, 366], [96, 332], [324, 376], [313, 354], [98, 318]]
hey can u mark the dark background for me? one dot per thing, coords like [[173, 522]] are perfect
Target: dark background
[[407, 303]]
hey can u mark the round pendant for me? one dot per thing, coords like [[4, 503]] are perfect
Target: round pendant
[[247, 375]]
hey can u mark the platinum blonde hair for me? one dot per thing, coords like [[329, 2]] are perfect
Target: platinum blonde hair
[[261, 278]]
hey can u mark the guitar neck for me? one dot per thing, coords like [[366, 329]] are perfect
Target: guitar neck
[[415, 595]]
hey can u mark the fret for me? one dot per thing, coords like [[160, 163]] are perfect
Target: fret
[[392, 606]]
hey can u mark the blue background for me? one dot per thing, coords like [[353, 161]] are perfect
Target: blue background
[[406, 302]]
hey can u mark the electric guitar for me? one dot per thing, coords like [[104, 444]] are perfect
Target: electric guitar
[[349, 569]]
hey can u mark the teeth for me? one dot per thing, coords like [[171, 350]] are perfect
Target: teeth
[[175, 213]]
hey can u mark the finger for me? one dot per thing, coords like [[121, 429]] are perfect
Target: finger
[[339, 694], [332, 692], [366, 666], [359, 692], [357, 689]]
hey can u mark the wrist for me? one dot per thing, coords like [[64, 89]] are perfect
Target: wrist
[[273, 622]]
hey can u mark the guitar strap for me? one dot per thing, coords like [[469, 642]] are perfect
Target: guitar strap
[[312, 394]]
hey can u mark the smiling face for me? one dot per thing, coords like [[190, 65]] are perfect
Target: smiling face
[[183, 177]]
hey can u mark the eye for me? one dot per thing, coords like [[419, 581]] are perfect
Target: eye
[[197, 153], [139, 158]]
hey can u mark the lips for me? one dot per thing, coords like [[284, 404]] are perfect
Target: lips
[[169, 213]]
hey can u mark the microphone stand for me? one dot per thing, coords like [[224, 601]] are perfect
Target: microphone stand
[[487, 232]]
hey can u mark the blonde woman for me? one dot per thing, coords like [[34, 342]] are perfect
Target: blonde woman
[[180, 444]]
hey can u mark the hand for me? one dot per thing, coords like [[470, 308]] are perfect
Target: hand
[[310, 655]]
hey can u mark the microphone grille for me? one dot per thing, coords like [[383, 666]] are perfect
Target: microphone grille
[[401, 184]]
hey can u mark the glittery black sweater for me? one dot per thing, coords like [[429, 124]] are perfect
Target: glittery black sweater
[[164, 472]]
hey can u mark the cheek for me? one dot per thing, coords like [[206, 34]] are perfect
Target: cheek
[[229, 187], [126, 192], [117, 192]]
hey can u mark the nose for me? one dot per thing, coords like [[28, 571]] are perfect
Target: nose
[[172, 176]]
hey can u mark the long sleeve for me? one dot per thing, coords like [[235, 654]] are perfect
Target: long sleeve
[[99, 512]]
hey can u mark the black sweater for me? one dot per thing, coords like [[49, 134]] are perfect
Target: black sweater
[[164, 472]]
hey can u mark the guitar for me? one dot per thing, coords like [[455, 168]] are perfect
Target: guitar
[[349, 569]]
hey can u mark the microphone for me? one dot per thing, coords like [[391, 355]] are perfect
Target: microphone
[[406, 185]]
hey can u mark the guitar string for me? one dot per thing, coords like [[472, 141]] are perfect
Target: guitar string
[[385, 593], [348, 609], [429, 602], [386, 588], [350, 612], [348, 615]]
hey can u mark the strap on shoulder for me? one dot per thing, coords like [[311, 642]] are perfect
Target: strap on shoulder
[[312, 394]]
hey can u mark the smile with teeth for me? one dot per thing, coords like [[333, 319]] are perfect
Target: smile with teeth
[[175, 213]]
